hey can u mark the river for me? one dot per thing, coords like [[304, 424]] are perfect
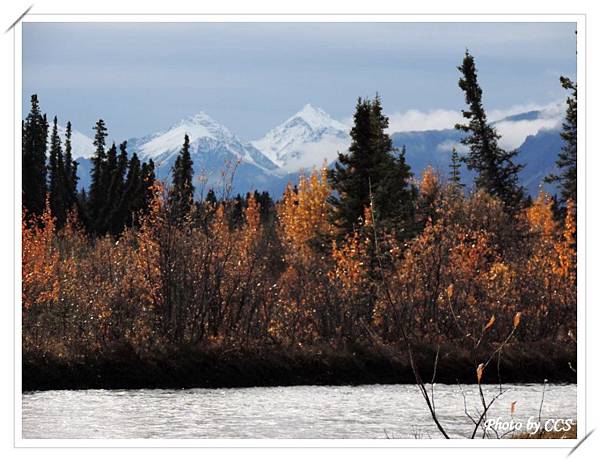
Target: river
[[368, 411]]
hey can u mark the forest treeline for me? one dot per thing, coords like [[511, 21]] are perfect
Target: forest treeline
[[359, 253]]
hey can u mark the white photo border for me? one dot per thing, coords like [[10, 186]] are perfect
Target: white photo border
[[579, 19]]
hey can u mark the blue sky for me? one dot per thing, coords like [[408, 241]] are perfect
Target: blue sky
[[143, 77]]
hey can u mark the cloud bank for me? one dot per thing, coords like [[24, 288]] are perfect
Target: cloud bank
[[513, 132]]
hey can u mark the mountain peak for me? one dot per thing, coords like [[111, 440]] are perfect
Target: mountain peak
[[209, 142], [200, 128], [316, 118], [199, 118], [201, 125], [305, 140]]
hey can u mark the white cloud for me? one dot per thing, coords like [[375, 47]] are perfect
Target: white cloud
[[313, 155], [414, 120], [513, 132], [550, 110], [447, 145]]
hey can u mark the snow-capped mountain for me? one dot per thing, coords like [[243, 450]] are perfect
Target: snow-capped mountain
[[305, 140], [81, 146], [310, 137], [206, 137], [213, 148]]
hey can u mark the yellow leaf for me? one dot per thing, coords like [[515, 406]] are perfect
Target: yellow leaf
[[490, 323], [480, 372], [517, 320], [513, 407]]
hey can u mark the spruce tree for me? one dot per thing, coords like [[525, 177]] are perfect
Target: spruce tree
[[101, 219], [372, 168], [495, 167], [148, 179], [33, 152], [113, 219], [266, 205], [236, 211], [132, 195], [52, 167], [182, 192], [97, 192], [70, 173], [455, 179], [57, 186], [567, 158], [211, 197]]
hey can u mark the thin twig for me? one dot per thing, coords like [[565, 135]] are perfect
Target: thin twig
[[407, 343], [542, 402], [437, 355], [465, 403], [499, 378], [482, 416]]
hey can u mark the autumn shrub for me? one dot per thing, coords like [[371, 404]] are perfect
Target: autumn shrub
[[307, 307], [290, 280]]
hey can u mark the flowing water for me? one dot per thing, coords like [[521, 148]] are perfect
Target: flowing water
[[368, 411]]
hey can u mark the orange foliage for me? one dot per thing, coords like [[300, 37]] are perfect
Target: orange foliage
[[304, 214], [467, 276], [40, 261]]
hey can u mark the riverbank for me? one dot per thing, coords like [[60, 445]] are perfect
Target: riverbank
[[189, 367], [570, 434]]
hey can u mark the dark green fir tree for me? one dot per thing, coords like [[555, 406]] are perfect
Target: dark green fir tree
[[132, 196], [70, 171], [181, 196], [373, 169], [98, 188], [454, 178], [211, 197], [496, 170], [113, 220], [148, 180], [34, 145], [566, 164], [57, 186]]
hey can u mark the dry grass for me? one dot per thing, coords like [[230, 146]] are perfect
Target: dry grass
[[552, 435]]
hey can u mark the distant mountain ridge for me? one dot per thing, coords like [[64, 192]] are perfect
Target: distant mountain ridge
[[311, 137]]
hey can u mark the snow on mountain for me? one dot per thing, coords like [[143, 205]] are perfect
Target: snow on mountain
[[535, 135], [305, 140], [206, 136], [516, 128], [310, 137], [215, 151], [81, 145]]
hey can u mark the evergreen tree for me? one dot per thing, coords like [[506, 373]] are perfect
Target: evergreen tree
[[71, 178], [496, 170], [113, 219], [211, 197], [57, 186], [101, 219], [567, 158], [372, 168], [132, 195], [97, 192], [33, 152], [148, 179], [182, 192], [267, 209], [455, 179], [236, 211]]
